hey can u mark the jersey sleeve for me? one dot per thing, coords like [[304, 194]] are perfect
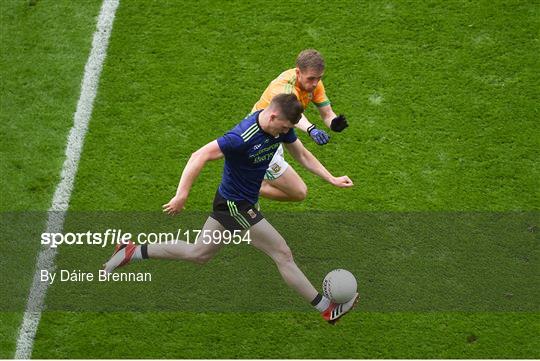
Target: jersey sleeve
[[230, 143], [290, 137], [319, 96]]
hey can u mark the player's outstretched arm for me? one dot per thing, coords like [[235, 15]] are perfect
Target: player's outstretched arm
[[319, 136], [308, 161], [327, 114], [195, 164], [303, 124]]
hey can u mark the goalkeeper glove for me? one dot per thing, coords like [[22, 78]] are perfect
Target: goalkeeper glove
[[339, 123], [319, 136]]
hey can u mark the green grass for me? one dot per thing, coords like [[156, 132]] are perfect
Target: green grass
[[444, 137], [43, 51], [288, 335], [442, 99], [10, 322]]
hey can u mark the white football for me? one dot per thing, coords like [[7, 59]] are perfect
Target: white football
[[339, 286]]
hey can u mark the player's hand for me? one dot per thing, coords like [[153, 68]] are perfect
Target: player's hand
[[175, 205], [319, 136], [339, 123], [342, 182]]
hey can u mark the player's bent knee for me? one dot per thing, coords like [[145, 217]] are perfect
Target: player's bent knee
[[299, 194], [265, 188]]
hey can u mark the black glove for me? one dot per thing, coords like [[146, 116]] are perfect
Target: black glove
[[339, 123]]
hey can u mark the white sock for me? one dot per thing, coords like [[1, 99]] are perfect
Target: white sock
[[323, 304], [137, 255]]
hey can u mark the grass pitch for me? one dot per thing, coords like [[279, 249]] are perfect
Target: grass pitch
[[442, 99]]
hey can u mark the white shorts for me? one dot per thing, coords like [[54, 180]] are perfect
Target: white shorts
[[278, 165]]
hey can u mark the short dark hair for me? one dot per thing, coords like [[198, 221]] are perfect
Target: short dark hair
[[310, 59], [288, 106]]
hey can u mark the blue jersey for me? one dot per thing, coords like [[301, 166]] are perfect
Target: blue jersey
[[248, 151]]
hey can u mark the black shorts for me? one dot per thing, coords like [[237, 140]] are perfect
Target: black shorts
[[235, 215]]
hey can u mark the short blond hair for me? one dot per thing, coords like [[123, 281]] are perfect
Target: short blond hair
[[310, 59]]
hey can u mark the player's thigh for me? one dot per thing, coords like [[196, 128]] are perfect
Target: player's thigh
[[266, 238], [209, 241], [289, 181]]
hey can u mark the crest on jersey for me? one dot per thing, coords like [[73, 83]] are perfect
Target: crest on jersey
[[252, 213], [275, 167]]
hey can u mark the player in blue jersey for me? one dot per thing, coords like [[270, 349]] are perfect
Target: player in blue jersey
[[248, 149]]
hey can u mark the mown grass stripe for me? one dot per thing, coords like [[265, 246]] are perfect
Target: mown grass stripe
[[62, 195]]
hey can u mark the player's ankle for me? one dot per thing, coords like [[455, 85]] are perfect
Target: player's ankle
[[320, 302]]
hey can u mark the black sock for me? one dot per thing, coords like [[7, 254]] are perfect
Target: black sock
[[316, 300], [144, 251], [320, 302]]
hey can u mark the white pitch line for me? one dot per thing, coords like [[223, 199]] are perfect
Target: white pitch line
[[62, 195]]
